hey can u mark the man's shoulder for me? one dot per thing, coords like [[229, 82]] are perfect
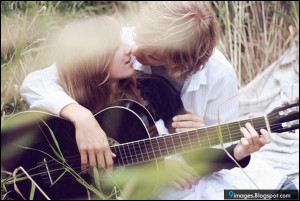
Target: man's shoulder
[[219, 60], [218, 67]]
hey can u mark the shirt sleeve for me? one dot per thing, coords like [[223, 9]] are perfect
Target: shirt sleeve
[[41, 89], [211, 160]]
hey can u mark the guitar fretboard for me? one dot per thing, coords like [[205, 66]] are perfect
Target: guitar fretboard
[[178, 143]]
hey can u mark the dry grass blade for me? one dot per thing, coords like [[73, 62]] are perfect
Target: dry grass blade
[[29, 177]]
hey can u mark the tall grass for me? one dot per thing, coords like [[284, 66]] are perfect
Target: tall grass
[[255, 34], [252, 36]]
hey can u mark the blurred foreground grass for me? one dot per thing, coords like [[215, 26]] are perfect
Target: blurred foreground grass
[[253, 35]]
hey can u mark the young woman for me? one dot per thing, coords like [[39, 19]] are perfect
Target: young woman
[[95, 68]]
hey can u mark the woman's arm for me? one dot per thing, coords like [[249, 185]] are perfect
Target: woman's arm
[[91, 139], [40, 89]]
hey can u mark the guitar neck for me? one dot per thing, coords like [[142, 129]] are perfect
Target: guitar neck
[[183, 142]]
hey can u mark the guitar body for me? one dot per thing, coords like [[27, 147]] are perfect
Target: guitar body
[[124, 122]]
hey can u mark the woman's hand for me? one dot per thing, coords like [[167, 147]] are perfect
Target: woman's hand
[[91, 139], [187, 121], [251, 142], [180, 175]]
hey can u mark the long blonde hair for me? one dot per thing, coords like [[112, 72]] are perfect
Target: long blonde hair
[[85, 49], [187, 31]]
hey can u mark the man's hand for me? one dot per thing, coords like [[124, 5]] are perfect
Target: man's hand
[[251, 142], [187, 121], [180, 175]]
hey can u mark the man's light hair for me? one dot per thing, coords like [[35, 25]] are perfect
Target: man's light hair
[[185, 30]]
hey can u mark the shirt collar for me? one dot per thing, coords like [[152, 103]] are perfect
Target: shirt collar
[[195, 81]]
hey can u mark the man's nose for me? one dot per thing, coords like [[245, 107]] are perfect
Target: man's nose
[[135, 51], [128, 50]]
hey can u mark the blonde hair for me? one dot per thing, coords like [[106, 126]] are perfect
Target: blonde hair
[[185, 30], [84, 51]]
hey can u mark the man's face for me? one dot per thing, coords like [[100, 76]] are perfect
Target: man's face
[[158, 58]]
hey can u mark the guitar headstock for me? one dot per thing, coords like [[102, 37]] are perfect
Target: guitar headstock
[[285, 118]]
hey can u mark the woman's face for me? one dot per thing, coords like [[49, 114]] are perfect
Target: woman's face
[[121, 64]]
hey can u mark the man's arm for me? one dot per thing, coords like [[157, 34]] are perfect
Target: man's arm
[[41, 89], [211, 160]]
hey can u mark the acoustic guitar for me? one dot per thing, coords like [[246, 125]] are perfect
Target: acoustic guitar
[[47, 149]]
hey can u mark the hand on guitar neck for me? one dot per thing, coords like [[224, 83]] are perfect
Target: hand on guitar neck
[[183, 176]]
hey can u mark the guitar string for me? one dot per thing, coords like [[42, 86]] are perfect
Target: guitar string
[[207, 129], [247, 120], [180, 135], [191, 144], [77, 168], [175, 145], [158, 145], [190, 134], [80, 168], [185, 145]]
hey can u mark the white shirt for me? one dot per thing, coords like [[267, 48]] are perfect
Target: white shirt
[[203, 92]]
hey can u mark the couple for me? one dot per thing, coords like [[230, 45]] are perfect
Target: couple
[[96, 64]]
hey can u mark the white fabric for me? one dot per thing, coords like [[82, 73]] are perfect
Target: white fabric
[[212, 187], [278, 83]]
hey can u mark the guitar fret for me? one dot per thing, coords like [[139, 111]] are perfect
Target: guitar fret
[[188, 136], [239, 124], [217, 134], [229, 133], [197, 133], [146, 150], [120, 155], [158, 147], [141, 151], [180, 142], [207, 136], [171, 145], [166, 146], [194, 143], [162, 146], [151, 153], [125, 156], [129, 156], [136, 155], [153, 148]]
